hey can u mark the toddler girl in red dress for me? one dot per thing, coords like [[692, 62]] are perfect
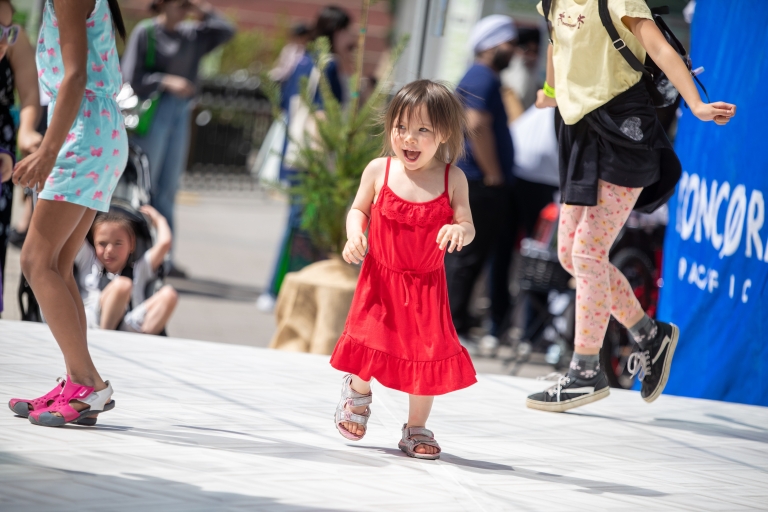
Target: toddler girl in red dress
[[415, 206]]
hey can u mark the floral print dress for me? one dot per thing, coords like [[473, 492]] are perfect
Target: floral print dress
[[95, 152]]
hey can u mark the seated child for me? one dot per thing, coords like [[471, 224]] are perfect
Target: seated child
[[113, 286]]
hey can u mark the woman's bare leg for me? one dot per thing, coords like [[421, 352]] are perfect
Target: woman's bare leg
[[55, 234], [160, 307], [114, 299]]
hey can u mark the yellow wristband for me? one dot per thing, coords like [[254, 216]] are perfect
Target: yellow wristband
[[549, 91]]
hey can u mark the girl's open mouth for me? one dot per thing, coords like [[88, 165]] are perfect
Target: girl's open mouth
[[411, 156]]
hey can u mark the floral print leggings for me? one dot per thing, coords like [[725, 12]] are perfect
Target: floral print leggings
[[585, 236]]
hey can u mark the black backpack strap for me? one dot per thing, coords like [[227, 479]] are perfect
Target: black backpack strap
[[618, 42], [671, 38], [546, 6]]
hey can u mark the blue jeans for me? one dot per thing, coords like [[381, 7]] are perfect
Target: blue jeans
[[167, 145]]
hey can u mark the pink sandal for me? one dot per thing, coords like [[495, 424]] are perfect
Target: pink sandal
[[98, 401], [23, 407]]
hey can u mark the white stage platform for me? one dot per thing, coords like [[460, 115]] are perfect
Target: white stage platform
[[208, 427]]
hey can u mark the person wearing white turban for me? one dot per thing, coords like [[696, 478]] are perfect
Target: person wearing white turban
[[491, 32]]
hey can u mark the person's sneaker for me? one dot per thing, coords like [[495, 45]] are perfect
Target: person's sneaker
[[570, 392], [652, 365]]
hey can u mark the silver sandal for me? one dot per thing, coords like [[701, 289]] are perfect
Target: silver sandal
[[351, 398], [413, 437]]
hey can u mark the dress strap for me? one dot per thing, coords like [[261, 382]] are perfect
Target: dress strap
[[447, 169], [386, 173]]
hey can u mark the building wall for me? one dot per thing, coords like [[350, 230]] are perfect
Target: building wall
[[273, 15]]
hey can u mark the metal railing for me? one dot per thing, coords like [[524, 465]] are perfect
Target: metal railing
[[229, 124]]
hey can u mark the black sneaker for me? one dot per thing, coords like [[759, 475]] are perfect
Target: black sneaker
[[570, 392], [653, 364]]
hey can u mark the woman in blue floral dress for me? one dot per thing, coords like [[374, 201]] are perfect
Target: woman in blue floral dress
[[74, 171]]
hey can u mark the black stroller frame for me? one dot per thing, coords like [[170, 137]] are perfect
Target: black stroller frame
[[130, 194]]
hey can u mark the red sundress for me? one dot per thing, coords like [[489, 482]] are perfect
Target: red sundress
[[399, 329]]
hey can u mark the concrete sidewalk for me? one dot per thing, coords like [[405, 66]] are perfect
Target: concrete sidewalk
[[204, 426]]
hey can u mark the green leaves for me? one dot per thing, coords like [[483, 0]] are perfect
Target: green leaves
[[331, 166]]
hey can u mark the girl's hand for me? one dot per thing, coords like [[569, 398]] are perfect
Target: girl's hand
[[29, 141], [33, 170], [544, 101], [719, 112], [150, 212], [178, 86], [355, 249], [452, 236]]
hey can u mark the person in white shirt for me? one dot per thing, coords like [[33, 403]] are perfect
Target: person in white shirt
[[113, 287]]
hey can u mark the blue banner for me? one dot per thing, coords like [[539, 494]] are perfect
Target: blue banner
[[716, 251]]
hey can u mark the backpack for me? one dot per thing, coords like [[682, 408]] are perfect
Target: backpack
[[663, 93]]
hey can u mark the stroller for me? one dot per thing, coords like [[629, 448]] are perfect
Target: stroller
[[130, 194]]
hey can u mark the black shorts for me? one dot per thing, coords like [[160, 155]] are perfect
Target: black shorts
[[623, 143]]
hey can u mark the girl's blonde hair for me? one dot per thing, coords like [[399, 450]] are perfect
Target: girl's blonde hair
[[445, 111]]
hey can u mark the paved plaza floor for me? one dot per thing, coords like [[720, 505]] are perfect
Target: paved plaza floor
[[205, 426]]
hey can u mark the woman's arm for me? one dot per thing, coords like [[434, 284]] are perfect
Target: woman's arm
[[34, 169], [673, 66], [360, 212], [482, 141], [164, 237], [542, 100], [214, 29], [22, 59]]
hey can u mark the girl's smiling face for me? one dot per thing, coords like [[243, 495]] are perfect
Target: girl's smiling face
[[414, 139], [113, 245]]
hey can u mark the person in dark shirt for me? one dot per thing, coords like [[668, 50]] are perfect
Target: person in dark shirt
[[488, 166], [178, 44]]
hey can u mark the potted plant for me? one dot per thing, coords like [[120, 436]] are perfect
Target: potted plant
[[313, 303]]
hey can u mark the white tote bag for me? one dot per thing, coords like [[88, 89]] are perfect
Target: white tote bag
[[302, 127], [266, 166]]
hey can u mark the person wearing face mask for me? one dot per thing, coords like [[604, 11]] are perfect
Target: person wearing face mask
[[163, 55], [487, 165]]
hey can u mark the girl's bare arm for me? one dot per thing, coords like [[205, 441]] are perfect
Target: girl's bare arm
[[72, 14], [360, 212], [673, 66], [164, 237], [542, 100], [462, 231]]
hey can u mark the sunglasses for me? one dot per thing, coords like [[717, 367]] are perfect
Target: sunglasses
[[10, 34]]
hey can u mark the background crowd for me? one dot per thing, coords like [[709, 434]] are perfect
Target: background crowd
[[511, 162]]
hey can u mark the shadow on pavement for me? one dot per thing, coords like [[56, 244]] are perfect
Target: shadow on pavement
[[479, 466], [757, 434], [214, 289], [132, 492]]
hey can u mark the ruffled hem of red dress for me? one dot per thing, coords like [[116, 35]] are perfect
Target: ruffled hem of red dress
[[426, 378]]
